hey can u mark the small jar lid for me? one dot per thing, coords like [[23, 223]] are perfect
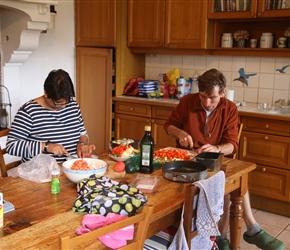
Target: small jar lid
[[55, 172], [267, 34], [227, 34]]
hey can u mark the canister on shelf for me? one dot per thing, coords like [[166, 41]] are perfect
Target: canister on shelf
[[266, 40], [227, 40]]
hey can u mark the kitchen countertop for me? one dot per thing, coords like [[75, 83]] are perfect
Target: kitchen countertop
[[250, 109]]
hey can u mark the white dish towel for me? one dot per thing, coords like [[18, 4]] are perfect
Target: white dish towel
[[209, 209]]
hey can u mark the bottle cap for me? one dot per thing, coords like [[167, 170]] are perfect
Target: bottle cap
[[147, 128], [55, 172]]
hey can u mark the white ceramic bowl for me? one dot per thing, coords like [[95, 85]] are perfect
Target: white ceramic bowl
[[77, 175], [119, 158]]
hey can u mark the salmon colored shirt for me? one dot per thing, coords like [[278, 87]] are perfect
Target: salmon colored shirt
[[190, 116]]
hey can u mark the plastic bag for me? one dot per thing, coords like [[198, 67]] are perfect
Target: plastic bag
[[38, 169], [131, 87]]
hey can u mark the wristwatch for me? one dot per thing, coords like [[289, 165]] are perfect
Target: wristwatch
[[45, 147]]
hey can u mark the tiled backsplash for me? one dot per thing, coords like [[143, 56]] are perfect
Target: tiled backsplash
[[267, 86]]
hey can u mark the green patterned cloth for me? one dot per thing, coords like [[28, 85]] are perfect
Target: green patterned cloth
[[101, 195]]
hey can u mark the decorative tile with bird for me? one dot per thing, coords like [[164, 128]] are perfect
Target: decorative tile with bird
[[282, 70], [243, 76]]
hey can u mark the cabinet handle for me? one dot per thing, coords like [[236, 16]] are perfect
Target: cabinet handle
[[264, 169], [152, 121], [253, 14], [267, 126], [148, 120], [266, 138], [131, 109]]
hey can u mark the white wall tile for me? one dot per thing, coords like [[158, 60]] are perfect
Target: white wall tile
[[281, 81], [212, 62], [188, 62], [225, 63], [265, 96], [266, 81], [250, 94], [267, 65]]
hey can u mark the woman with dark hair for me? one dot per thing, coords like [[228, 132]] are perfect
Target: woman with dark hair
[[50, 124]]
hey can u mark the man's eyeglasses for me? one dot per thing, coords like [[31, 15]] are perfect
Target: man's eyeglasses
[[58, 105]]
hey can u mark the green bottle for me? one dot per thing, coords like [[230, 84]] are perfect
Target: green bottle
[[146, 152], [55, 187]]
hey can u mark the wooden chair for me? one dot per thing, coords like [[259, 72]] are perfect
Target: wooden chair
[[189, 214], [3, 165], [240, 126], [140, 220]]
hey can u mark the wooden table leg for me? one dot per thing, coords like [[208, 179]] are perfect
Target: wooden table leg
[[236, 216]]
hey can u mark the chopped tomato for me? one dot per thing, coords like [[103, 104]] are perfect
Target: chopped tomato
[[171, 155], [119, 150], [80, 165]]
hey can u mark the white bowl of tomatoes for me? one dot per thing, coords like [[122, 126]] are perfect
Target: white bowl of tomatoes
[[78, 169], [122, 152]]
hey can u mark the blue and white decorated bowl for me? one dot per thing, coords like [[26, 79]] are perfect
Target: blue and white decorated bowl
[[77, 175]]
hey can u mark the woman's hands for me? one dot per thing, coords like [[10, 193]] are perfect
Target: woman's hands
[[56, 149], [84, 151]]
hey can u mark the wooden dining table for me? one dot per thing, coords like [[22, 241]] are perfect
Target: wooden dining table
[[40, 218]]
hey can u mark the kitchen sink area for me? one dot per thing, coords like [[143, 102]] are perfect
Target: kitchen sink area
[[265, 108]]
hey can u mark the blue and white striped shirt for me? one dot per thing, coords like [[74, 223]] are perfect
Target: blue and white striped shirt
[[34, 124]]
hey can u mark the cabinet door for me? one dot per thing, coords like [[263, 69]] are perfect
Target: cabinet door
[[265, 149], [146, 23], [167, 24], [94, 93], [186, 24], [161, 138], [128, 126], [273, 8], [270, 182], [95, 23]]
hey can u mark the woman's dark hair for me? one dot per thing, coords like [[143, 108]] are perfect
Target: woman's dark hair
[[58, 85], [211, 78]]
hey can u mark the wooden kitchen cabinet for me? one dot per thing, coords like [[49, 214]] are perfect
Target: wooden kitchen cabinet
[[270, 182], [266, 141], [219, 9], [167, 24], [94, 93], [95, 23], [131, 118]]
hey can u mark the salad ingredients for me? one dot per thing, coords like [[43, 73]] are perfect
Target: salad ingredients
[[123, 151], [119, 166], [84, 165], [165, 155]]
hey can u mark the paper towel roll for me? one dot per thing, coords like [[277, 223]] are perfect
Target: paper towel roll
[[230, 94]]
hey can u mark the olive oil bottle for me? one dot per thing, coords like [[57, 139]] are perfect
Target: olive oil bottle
[[146, 151]]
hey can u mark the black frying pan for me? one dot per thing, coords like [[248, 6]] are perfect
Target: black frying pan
[[184, 171]]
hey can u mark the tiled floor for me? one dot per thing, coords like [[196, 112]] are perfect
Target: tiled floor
[[275, 225]]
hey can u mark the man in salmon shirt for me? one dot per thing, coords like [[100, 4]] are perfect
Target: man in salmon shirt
[[208, 122]]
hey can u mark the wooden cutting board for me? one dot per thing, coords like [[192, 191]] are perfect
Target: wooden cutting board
[[110, 170]]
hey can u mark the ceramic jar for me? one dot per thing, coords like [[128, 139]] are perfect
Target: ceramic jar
[[227, 40], [266, 40]]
